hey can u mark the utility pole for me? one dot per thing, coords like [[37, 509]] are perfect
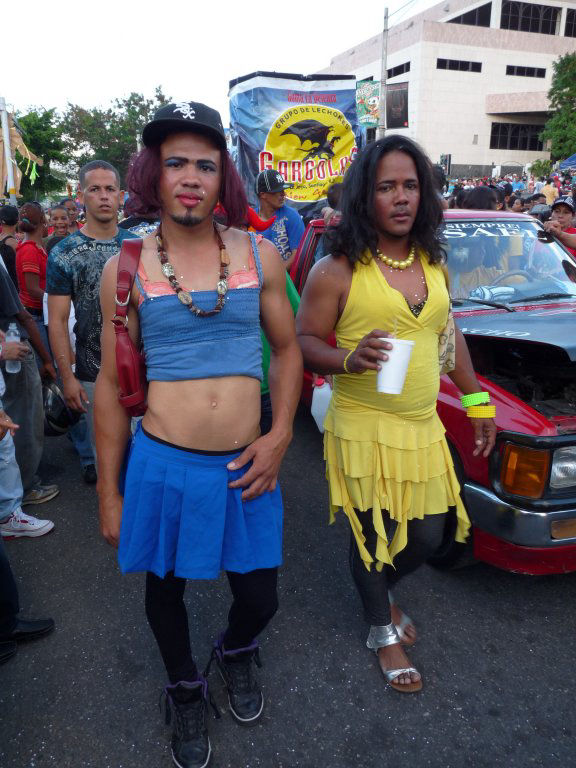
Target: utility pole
[[7, 151], [381, 132]]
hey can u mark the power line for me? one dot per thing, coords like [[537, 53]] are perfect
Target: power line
[[401, 8]]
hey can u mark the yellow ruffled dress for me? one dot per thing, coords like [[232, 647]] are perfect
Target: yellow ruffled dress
[[388, 452]]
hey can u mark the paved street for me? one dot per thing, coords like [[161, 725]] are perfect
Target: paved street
[[496, 652]]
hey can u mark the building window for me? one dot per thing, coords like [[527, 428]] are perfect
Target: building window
[[529, 17], [570, 23], [479, 17], [399, 70], [516, 136], [525, 71], [459, 66]]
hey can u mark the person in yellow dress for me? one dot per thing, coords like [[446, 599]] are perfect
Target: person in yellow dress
[[388, 463]]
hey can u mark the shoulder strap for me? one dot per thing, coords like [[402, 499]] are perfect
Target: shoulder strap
[[256, 254], [127, 268]]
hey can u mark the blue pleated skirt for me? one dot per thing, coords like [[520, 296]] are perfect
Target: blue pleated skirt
[[179, 515]]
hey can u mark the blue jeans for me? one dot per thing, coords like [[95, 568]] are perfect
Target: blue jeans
[[10, 480], [23, 403], [80, 437], [43, 331], [89, 416]]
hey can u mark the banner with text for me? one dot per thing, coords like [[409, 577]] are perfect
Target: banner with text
[[367, 103], [303, 126]]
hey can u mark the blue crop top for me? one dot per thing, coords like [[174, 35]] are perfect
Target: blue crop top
[[180, 346]]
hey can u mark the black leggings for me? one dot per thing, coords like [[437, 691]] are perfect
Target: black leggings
[[255, 603], [424, 538]]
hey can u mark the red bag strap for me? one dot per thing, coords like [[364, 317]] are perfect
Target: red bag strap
[[127, 267]]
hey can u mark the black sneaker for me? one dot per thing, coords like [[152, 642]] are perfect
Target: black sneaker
[[236, 668], [186, 704], [89, 474]]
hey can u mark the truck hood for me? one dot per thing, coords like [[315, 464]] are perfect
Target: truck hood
[[555, 326]]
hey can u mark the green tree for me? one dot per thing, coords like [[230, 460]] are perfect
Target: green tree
[[108, 134], [560, 129], [541, 167], [42, 135]]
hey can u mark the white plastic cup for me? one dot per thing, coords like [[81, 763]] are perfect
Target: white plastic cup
[[392, 374]]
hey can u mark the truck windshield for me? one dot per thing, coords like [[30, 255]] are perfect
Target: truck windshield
[[504, 261]]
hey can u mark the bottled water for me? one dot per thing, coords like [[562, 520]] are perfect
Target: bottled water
[[13, 334]]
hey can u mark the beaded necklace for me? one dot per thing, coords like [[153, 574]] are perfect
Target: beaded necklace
[[184, 296], [395, 263], [407, 264]]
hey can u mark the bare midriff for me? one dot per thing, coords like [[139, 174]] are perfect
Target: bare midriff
[[221, 414]]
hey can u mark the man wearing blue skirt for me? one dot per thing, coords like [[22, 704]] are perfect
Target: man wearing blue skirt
[[200, 493]]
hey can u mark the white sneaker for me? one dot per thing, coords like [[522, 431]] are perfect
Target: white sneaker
[[20, 524]]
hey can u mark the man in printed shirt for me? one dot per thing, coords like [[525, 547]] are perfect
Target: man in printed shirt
[[73, 276]]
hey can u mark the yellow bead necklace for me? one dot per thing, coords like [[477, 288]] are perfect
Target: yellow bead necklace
[[394, 263]]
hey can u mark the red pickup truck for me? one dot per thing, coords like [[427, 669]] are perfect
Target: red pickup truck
[[514, 298]]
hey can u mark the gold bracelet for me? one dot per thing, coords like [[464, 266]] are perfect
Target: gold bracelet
[[481, 412], [346, 360]]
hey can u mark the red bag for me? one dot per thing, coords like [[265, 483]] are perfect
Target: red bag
[[130, 362]]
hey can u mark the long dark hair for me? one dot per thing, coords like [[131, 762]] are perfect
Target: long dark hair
[[143, 180], [357, 231]]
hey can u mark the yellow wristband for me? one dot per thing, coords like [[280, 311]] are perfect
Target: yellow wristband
[[346, 360], [481, 412]]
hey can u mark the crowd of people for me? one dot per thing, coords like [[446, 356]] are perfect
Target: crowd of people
[[199, 281], [550, 201], [535, 196]]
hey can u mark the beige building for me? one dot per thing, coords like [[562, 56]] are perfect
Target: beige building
[[478, 76]]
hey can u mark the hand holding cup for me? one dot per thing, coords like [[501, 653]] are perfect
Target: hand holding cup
[[370, 352]]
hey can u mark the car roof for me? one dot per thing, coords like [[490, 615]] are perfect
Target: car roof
[[465, 213]]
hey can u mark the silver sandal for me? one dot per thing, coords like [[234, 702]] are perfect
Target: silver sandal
[[382, 636]]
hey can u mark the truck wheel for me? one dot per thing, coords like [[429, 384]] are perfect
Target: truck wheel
[[451, 553]]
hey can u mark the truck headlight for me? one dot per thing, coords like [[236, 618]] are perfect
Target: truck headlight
[[563, 472], [525, 470]]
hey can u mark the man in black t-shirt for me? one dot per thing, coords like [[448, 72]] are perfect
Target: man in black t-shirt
[[23, 397], [8, 241]]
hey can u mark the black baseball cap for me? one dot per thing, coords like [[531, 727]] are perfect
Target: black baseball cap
[[271, 181], [567, 200], [184, 116], [8, 215]]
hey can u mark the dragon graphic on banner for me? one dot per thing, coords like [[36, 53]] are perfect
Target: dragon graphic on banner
[[303, 126]]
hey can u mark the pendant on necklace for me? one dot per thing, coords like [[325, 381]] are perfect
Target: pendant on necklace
[[185, 297]]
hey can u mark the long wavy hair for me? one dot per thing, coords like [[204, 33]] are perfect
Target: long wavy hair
[[357, 233], [143, 183]]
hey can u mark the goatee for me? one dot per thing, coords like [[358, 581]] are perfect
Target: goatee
[[188, 220]]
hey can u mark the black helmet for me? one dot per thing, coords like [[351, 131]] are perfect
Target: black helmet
[[58, 418]]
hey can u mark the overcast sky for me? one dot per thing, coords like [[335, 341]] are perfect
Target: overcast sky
[[89, 54]]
